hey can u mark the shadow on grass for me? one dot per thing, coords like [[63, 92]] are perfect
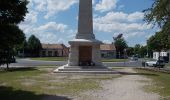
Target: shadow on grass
[[18, 69], [8, 93]]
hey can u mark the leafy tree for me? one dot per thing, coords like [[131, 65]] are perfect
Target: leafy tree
[[120, 45], [12, 12], [159, 13], [130, 51], [137, 49], [159, 41], [34, 45]]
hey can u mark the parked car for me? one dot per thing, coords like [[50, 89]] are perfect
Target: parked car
[[157, 63]]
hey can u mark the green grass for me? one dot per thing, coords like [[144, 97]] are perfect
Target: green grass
[[168, 65], [114, 60], [66, 58], [161, 83], [36, 83], [50, 58]]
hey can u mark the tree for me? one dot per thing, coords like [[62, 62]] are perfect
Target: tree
[[120, 45], [159, 13], [34, 45], [130, 51], [12, 12], [137, 49], [159, 41]]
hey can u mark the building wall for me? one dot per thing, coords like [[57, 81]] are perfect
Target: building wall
[[54, 53], [108, 53], [162, 54]]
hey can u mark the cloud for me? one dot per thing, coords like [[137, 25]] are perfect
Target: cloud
[[50, 26], [120, 22], [120, 17], [55, 6], [105, 5]]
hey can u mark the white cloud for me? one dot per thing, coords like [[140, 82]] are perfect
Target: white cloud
[[105, 5], [120, 17], [55, 6], [120, 22], [50, 26], [30, 17]]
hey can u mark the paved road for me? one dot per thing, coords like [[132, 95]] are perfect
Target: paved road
[[32, 63]]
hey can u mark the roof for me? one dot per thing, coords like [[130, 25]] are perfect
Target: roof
[[53, 46], [107, 47]]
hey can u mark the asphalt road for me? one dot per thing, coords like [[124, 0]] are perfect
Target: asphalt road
[[34, 63]]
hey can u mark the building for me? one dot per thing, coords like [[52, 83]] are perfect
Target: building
[[108, 51], [54, 50], [162, 54]]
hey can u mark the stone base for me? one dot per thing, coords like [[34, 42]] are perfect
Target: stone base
[[74, 51], [84, 69]]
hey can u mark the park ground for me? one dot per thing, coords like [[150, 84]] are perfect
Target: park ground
[[41, 83], [66, 58]]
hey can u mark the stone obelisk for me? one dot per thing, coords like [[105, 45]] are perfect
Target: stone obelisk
[[84, 49], [85, 20]]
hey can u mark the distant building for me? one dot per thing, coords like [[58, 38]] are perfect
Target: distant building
[[162, 54], [54, 50], [108, 51]]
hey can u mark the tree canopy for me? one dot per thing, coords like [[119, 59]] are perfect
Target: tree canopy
[[120, 45], [34, 45], [159, 13], [12, 11], [159, 41]]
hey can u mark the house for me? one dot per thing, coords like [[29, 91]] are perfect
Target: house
[[54, 50], [162, 54], [108, 51]]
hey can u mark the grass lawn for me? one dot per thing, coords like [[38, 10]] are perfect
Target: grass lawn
[[66, 58], [168, 65], [38, 83], [114, 60], [161, 83], [50, 58]]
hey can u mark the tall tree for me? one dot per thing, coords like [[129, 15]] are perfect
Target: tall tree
[[159, 41], [159, 13], [120, 45], [34, 45], [12, 12]]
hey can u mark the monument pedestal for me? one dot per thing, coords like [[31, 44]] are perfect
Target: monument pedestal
[[83, 51]]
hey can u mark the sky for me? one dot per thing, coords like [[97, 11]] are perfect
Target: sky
[[55, 21]]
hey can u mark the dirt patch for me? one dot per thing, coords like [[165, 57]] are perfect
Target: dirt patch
[[127, 87]]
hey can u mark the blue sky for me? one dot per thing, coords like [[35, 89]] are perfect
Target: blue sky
[[55, 21]]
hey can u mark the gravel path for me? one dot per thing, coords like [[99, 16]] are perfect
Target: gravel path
[[127, 87]]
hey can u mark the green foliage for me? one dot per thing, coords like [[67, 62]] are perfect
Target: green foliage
[[12, 11], [159, 13], [120, 44], [130, 51], [34, 45], [159, 41], [10, 36]]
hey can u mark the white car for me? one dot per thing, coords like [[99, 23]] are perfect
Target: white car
[[159, 63]]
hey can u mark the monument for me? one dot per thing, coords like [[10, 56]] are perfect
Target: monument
[[84, 49]]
